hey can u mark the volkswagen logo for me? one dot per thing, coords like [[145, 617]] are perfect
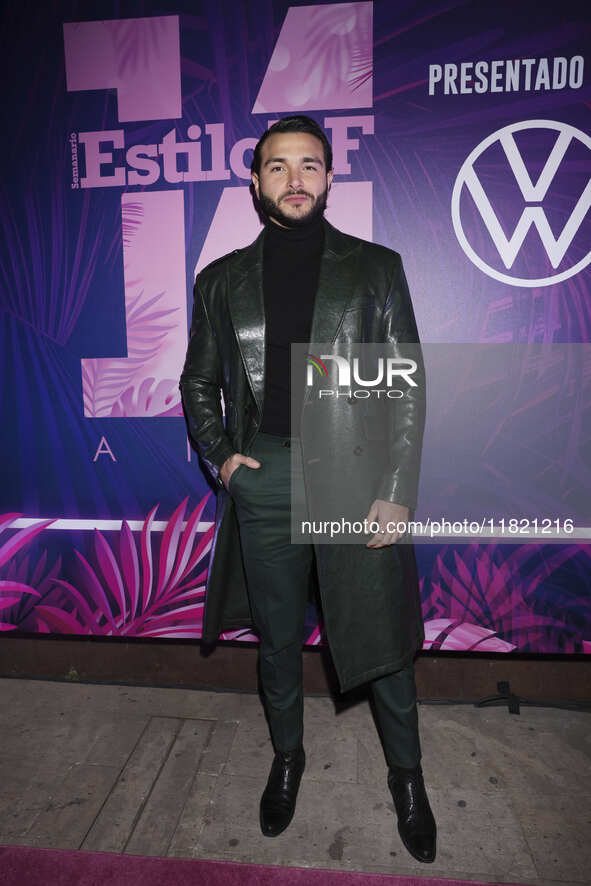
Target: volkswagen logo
[[549, 243]]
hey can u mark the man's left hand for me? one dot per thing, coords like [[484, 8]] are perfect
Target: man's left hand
[[387, 514]]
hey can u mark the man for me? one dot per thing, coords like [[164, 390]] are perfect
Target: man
[[304, 281]]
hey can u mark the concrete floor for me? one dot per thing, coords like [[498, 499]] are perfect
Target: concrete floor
[[179, 772]]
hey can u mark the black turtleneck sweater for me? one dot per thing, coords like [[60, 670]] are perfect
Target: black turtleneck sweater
[[291, 267]]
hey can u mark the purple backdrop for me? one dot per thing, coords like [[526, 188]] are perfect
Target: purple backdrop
[[461, 136]]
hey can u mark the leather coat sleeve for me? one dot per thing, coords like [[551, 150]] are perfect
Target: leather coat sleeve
[[407, 418], [200, 385]]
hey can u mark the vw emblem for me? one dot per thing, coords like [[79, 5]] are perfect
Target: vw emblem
[[553, 240]]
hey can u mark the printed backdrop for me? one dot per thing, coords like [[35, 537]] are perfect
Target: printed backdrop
[[462, 138]]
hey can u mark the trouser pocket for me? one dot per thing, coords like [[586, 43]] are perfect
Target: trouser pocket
[[233, 475]]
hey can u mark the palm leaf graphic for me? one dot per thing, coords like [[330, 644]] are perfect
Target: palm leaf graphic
[[14, 585], [336, 37], [122, 592], [112, 386], [502, 595]]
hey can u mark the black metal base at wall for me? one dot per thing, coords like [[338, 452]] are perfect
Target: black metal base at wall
[[459, 676]]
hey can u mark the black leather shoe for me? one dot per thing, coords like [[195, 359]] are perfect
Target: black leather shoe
[[279, 797], [416, 824]]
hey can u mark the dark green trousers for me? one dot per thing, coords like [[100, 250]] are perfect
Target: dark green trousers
[[278, 577]]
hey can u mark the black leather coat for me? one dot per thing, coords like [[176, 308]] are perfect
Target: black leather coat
[[370, 597]]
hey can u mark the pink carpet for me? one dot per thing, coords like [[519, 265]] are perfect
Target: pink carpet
[[24, 866]]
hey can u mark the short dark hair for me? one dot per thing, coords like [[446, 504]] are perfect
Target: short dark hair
[[294, 123]]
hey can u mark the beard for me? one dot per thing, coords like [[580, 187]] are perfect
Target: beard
[[272, 209]]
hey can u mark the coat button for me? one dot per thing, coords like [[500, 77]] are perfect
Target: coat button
[[358, 450]]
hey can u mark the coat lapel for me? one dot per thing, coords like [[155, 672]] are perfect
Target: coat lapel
[[336, 285], [247, 310]]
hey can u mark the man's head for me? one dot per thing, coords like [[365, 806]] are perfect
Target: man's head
[[292, 171]]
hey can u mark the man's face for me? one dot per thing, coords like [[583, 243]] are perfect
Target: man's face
[[293, 183]]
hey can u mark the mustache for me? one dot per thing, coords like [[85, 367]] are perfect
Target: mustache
[[295, 194]]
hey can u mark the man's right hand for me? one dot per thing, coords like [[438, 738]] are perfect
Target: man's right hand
[[230, 465]]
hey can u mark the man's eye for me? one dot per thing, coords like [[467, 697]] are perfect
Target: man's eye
[[276, 168]]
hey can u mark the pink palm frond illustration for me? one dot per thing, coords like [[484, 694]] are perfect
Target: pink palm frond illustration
[[483, 598], [148, 587], [14, 588], [137, 42], [240, 634], [116, 379], [132, 215], [145, 329], [450, 634], [323, 58], [339, 41], [149, 397]]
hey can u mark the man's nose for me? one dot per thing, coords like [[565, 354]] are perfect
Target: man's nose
[[295, 179]]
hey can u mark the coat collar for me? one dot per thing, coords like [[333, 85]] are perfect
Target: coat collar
[[246, 301]]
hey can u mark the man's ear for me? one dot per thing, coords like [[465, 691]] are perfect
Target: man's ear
[[329, 176], [255, 183]]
